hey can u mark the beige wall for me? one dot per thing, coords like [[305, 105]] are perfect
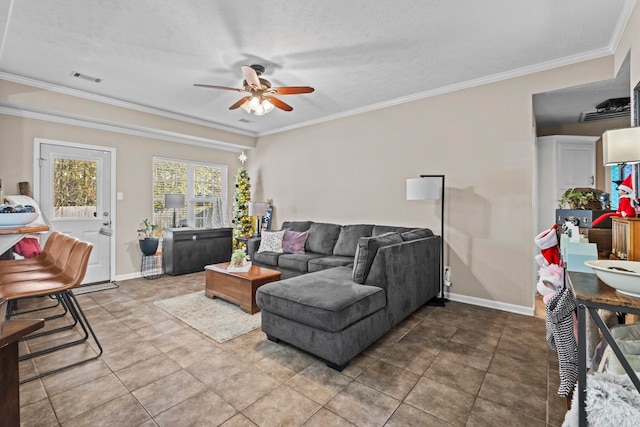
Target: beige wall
[[133, 160], [353, 170]]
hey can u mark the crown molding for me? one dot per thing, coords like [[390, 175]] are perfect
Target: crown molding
[[55, 116], [623, 20], [119, 103], [544, 66]]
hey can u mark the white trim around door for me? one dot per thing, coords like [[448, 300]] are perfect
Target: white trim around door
[[38, 142]]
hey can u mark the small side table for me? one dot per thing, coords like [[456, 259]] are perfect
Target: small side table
[[12, 331], [151, 266]]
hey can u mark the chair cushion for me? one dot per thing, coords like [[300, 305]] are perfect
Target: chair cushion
[[366, 252], [326, 300], [331, 261], [322, 238], [297, 262], [267, 258], [271, 241], [348, 238], [293, 242]]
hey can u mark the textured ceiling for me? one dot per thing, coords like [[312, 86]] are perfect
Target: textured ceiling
[[357, 54]]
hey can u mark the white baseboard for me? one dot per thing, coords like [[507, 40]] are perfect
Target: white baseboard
[[519, 309], [135, 275]]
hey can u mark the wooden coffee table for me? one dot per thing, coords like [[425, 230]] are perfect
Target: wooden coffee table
[[238, 288]]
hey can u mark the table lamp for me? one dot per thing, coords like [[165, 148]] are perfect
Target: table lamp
[[175, 201], [258, 210]]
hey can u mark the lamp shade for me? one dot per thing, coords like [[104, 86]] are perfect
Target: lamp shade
[[257, 209], [175, 201], [427, 188], [621, 146]]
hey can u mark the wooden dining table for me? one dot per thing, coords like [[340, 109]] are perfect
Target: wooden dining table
[[11, 332], [9, 236]]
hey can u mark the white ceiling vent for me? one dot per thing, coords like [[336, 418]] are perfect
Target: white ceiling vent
[[85, 77], [245, 121], [613, 108]]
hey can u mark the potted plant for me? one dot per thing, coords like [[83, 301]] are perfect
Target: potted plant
[[239, 262], [581, 198], [147, 239]]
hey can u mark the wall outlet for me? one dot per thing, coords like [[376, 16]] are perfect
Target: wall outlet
[[447, 275]]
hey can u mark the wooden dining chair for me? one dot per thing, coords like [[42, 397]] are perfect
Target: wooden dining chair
[[45, 257], [55, 253], [60, 286], [48, 270]]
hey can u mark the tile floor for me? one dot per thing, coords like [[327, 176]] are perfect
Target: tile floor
[[456, 366]]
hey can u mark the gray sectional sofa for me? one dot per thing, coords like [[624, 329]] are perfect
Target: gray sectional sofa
[[352, 284]]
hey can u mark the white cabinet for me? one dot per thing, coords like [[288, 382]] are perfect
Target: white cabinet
[[562, 162]]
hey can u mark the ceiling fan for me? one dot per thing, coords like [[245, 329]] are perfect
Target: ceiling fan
[[260, 97]]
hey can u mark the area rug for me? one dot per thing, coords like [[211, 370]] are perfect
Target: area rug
[[215, 318], [85, 289]]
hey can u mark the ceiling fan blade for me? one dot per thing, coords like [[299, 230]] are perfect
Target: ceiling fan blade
[[239, 103], [281, 105], [220, 87], [251, 77], [292, 90]]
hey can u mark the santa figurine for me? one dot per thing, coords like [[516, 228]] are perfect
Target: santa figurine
[[626, 203], [547, 241]]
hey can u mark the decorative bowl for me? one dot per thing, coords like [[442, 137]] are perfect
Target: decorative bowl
[[624, 276], [17, 219]]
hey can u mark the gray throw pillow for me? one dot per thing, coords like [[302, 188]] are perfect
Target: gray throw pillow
[[366, 252], [322, 238], [349, 237]]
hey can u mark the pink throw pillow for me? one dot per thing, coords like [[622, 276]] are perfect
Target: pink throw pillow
[[293, 241]]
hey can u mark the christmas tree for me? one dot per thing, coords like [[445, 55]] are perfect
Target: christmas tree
[[243, 225]]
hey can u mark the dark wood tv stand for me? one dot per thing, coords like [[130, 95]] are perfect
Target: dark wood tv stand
[[187, 250]]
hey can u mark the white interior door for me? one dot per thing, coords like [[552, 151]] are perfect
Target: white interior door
[[75, 198], [577, 161]]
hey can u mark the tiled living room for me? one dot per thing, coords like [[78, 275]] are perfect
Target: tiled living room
[[459, 365], [327, 111]]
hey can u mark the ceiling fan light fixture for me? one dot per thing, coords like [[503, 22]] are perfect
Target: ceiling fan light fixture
[[259, 92], [254, 102], [259, 111], [267, 105], [246, 107]]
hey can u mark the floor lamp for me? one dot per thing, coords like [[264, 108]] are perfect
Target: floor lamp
[[175, 201], [431, 187], [258, 210]]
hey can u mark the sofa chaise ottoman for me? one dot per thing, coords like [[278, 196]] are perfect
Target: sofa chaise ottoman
[[335, 313]]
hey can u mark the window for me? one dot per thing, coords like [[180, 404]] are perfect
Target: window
[[75, 188], [616, 177], [204, 186]]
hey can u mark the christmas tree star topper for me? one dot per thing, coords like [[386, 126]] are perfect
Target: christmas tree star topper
[[242, 158]]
